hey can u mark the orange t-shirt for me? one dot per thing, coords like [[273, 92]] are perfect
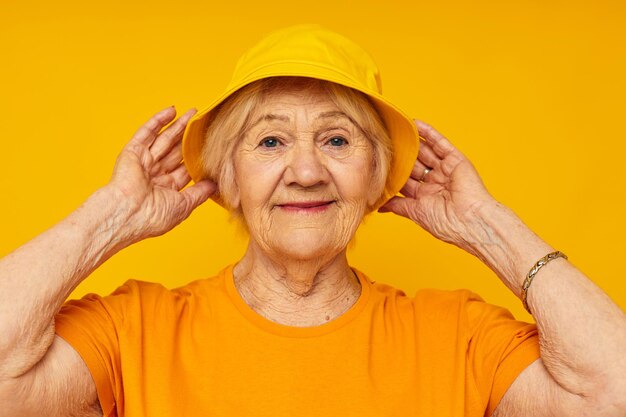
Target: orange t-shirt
[[200, 350]]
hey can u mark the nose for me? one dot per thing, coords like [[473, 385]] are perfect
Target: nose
[[305, 165]]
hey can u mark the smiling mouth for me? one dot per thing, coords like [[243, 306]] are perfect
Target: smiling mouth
[[306, 206]]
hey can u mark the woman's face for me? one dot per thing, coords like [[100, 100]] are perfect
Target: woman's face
[[303, 173]]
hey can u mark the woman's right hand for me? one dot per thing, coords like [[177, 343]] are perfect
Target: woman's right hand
[[144, 198], [149, 176]]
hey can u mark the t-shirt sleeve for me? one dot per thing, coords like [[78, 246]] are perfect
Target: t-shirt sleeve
[[499, 349], [92, 326]]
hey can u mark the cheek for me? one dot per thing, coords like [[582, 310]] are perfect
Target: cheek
[[256, 180], [354, 179]]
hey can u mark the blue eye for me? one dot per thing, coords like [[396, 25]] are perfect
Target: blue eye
[[337, 141], [269, 142]]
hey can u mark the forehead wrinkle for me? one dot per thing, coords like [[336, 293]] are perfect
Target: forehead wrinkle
[[336, 114], [270, 117], [319, 118]]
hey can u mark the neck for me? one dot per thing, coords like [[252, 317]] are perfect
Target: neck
[[297, 292]]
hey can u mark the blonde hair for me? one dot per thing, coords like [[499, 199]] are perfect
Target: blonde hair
[[232, 118]]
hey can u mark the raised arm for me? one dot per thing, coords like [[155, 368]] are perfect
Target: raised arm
[[582, 333], [39, 373]]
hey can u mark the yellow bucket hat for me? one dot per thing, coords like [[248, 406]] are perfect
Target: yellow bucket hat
[[315, 52]]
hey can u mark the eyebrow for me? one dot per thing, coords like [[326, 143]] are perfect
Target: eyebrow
[[333, 115], [268, 118]]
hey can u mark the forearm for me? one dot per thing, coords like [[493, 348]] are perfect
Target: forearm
[[582, 332], [36, 278]]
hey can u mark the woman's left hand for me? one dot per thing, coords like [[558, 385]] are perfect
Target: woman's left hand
[[443, 200]]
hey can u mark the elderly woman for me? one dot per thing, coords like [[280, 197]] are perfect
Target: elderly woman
[[300, 148]]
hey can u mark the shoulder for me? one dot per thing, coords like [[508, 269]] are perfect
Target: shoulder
[[456, 310], [136, 297], [436, 299], [464, 305], [427, 301], [424, 298]]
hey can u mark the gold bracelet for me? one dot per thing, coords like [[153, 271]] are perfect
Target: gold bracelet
[[531, 274]]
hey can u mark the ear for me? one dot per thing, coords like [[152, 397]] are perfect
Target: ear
[[376, 190], [229, 189], [235, 198]]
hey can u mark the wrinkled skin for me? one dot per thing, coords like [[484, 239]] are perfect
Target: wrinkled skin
[[303, 150]]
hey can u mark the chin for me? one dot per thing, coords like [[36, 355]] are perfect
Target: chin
[[304, 245]]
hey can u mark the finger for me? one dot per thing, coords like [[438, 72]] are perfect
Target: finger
[[175, 180], [419, 168], [147, 133], [436, 174], [180, 177], [170, 135], [420, 175], [427, 156], [198, 193], [397, 205], [411, 188], [169, 162], [439, 143]]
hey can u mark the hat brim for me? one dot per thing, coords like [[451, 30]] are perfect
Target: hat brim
[[402, 130]]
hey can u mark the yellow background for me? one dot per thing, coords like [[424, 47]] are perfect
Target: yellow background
[[532, 92]]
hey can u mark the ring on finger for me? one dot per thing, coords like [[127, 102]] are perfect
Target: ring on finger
[[423, 177]]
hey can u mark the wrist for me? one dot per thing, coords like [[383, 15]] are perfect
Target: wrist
[[105, 218], [498, 237]]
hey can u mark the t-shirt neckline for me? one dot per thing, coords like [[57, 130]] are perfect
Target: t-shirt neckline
[[293, 331]]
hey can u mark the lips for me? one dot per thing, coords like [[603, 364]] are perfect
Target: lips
[[306, 206]]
